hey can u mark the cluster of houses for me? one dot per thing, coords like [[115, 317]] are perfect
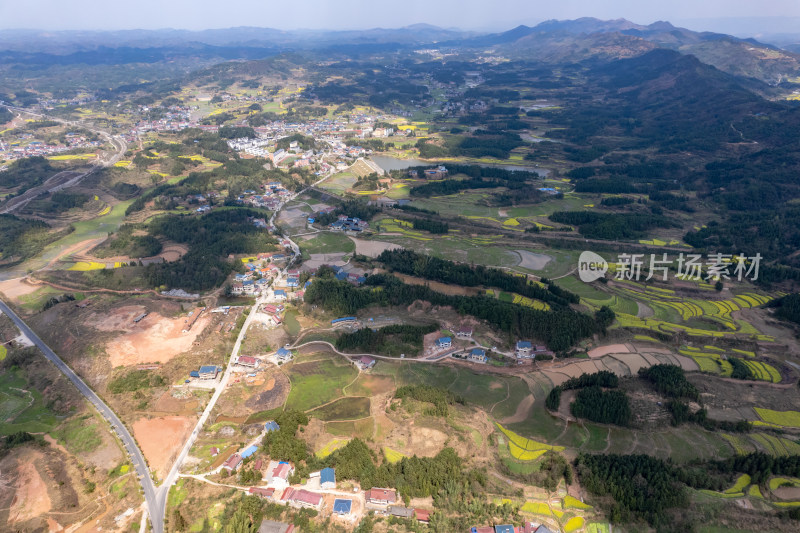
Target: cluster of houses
[[271, 198], [346, 223], [527, 527], [430, 173], [23, 146], [525, 350], [258, 273]]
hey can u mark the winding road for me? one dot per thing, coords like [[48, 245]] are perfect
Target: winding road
[[155, 504], [67, 178]]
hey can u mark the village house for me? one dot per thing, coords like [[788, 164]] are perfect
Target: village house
[[303, 498], [248, 361], [264, 494], [400, 512], [327, 479], [280, 294], [378, 496], [464, 332], [444, 342], [271, 426], [233, 462], [283, 355], [271, 526], [365, 362], [342, 507], [422, 515], [523, 350], [279, 476], [477, 355], [208, 372]]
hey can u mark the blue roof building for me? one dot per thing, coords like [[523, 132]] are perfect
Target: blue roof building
[[504, 529], [284, 354], [327, 478], [271, 426], [342, 506], [444, 342], [194, 374], [208, 372], [249, 451], [280, 293]]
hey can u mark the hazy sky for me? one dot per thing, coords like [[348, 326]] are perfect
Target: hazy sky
[[357, 14]]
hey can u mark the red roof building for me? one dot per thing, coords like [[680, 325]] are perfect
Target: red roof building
[[381, 496], [233, 462], [306, 498], [262, 492], [246, 360], [422, 515]]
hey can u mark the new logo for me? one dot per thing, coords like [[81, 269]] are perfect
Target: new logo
[[591, 267]]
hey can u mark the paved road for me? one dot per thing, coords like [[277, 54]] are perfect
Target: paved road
[[155, 507], [163, 491], [57, 182]]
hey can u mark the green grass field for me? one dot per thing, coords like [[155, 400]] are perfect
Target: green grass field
[[293, 327], [349, 408], [328, 243], [79, 435], [21, 407], [318, 382]]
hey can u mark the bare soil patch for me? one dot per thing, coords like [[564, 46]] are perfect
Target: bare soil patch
[[14, 288], [372, 248], [120, 319], [787, 493], [30, 496], [600, 351], [453, 290], [161, 439], [272, 395], [155, 339], [522, 412]]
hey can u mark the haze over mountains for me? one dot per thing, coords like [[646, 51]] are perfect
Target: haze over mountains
[[553, 41]]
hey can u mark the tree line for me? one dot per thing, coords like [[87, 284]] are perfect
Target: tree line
[[446, 271], [439, 397], [603, 378], [559, 328], [389, 340]]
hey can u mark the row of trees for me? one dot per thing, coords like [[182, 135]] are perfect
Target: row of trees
[[559, 328], [596, 225], [390, 340], [350, 208], [603, 378], [431, 226], [603, 406], [670, 381], [445, 271]]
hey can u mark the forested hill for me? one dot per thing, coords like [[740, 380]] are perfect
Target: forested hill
[[667, 100], [560, 328]]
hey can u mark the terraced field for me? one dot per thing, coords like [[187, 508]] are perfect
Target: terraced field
[[779, 418], [675, 313], [524, 449]]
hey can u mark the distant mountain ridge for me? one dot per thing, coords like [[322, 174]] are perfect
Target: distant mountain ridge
[[584, 38], [551, 41]]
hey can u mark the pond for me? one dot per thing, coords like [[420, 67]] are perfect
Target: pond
[[394, 163]]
